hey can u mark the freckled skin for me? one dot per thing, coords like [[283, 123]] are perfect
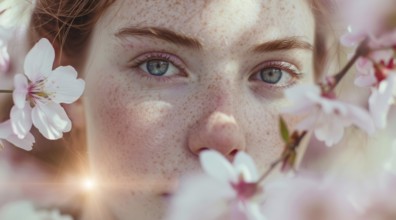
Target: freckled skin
[[145, 133]]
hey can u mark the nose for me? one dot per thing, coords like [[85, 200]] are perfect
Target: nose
[[218, 130]]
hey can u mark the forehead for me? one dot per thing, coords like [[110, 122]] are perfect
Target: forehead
[[216, 21]]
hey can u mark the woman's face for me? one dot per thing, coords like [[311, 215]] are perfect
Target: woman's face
[[168, 79]]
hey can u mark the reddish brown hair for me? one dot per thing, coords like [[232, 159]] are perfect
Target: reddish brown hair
[[68, 23], [327, 48]]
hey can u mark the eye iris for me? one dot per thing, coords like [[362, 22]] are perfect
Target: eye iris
[[157, 67], [271, 75]]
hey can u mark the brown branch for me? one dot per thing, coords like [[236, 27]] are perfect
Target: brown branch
[[294, 145], [362, 50]]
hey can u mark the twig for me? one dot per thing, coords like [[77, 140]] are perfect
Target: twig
[[5, 91], [362, 50], [284, 156]]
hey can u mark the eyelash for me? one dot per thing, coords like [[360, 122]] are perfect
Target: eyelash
[[284, 66], [160, 56]]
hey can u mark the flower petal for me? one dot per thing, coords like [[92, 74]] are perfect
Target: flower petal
[[64, 86], [26, 143], [6, 133], [330, 129], [242, 159], [365, 80], [309, 122], [330, 106], [301, 108], [352, 39], [38, 62], [380, 101], [200, 197], [301, 92], [26, 210], [254, 212], [21, 121], [217, 166], [4, 60], [21, 90], [51, 120], [302, 97], [361, 118]]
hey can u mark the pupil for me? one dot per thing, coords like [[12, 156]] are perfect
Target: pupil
[[272, 75], [157, 67]]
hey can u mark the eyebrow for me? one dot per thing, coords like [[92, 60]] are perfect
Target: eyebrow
[[287, 43], [170, 36], [163, 34]]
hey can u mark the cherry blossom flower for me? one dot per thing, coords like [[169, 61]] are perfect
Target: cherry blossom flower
[[227, 191], [4, 56], [389, 164], [26, 211], [381, 99], [6, 133], [326, 115], [367, 74], [307, 198], [38, 95], [15, 12], [14, 17], [374, 68], [379, 27], [378, 73]]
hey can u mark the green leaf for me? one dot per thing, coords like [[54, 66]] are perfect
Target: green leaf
[[284, 130]]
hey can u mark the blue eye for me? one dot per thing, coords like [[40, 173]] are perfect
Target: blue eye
[[159, 67], [276, 73], [271, 75]]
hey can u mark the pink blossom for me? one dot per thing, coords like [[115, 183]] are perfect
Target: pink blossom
[[307, 198], [227, 191], [325, 115], [15, 12], [4, 56], [381, 99], [377, 27], [38, 95], [25, 210], [377, 72], [367, 75], [6, 133], [389, 164]]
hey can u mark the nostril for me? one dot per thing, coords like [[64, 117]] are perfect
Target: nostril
[[203, 149], [233, 153]]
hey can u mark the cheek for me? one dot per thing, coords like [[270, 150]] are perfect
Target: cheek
[[132, 132], [271, 145], [262, 132]]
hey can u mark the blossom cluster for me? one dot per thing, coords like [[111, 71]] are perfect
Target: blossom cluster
[[40, 90], [38, 95], [373, 39], [234, 191]]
